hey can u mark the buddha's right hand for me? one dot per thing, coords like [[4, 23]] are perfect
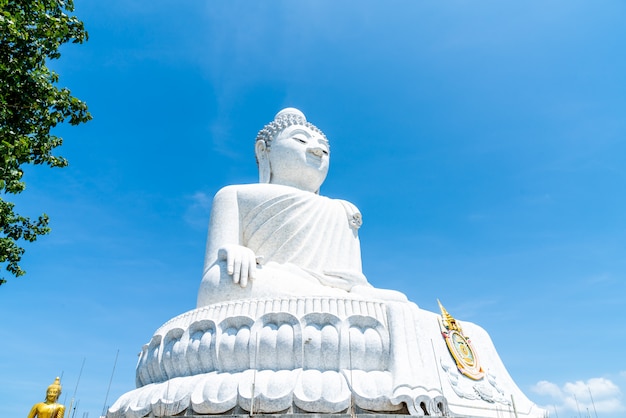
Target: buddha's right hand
[[240, 262]]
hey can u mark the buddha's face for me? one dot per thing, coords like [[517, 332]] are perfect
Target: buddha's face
[[299, 157], [52, 394]]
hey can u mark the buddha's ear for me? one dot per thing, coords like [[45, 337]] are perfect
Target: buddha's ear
[[261, 150]]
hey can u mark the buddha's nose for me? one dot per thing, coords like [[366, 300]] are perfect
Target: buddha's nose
[[317, 151]]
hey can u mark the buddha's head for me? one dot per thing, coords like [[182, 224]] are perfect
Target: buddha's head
[[292, 152], [54, 391]]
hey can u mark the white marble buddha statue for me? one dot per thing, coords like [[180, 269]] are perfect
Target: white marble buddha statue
[[287, 323], [279, 237]]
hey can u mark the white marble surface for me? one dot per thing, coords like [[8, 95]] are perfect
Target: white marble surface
[[286, 321], [280, 237]]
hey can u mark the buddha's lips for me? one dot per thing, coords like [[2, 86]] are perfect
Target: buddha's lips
[[310, 156]]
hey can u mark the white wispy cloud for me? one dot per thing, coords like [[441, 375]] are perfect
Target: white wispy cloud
[[548, 389], [197, 213], [597, 394]]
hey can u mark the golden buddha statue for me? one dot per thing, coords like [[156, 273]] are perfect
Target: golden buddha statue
[[49, 408]]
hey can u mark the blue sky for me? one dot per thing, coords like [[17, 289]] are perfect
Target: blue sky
[[484, 142]]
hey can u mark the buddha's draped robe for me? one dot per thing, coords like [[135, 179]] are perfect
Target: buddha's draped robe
[[46, 410], [308, 234]]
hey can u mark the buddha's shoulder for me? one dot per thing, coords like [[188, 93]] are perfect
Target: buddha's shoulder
[[354, 214], [233, 190], [261, 192], [257, 190]]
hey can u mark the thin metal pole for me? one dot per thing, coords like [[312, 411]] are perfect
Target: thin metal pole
[[352, 413], [61, 380], [592, 402], [71, 414], [74, 411], [79, 375], [256, 355], [69, 410], [577, 407], [106, 398], [437, 365], [514, 408], [432, 345]]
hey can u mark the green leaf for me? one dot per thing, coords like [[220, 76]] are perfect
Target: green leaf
[[31, 105]]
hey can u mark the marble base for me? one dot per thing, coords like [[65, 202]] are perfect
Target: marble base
[[314, 355]]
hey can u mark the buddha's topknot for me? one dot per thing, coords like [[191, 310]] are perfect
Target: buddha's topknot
[[283, 119]]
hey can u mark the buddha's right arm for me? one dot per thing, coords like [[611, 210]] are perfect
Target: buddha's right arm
[[224, 242], [33, 412]]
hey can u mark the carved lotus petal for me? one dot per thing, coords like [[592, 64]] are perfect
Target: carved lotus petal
[[273, 390], [325, 392], [215, 393], [173, 397]]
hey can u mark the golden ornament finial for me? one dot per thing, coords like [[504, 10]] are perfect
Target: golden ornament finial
[[448, 321], [460, 346], [56, 384]]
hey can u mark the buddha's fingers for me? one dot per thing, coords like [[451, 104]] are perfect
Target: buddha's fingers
[[237, 269], [240, 263], [224, 254], [245, 271]]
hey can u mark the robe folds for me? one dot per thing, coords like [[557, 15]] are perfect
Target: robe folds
[[307, 234], [305, 244]]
